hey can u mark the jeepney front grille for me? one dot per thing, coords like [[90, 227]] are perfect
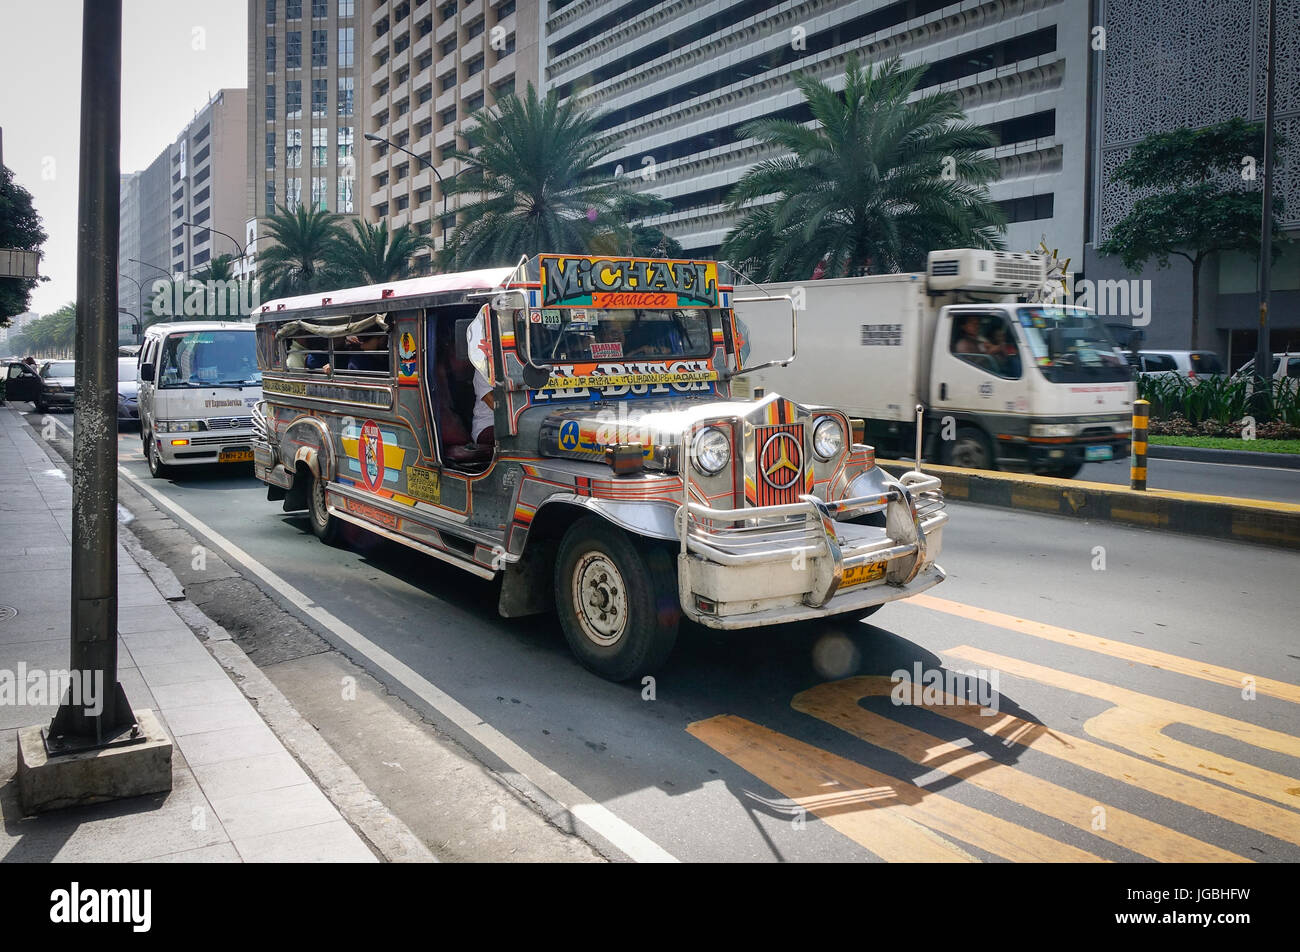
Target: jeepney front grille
[[230, 423], [780, 464]]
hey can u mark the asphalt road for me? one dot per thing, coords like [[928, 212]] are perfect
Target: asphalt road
[[1215, 479], [1114, 658]]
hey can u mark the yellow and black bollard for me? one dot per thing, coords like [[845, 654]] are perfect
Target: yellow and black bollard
[[1141, 417]]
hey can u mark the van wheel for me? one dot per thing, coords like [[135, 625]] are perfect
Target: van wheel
[[970, 450], [617, 600], [157, 468], [325, 526]]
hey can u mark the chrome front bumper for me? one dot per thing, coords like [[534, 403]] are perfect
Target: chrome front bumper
[[740, 568]]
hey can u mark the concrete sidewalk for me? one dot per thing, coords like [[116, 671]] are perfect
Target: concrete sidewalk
[[238, 794]]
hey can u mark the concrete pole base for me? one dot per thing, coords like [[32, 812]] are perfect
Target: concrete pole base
[[93, 776]]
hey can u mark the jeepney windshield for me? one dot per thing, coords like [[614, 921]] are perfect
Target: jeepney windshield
[[213, 358], [1070, 345], [584, 334]]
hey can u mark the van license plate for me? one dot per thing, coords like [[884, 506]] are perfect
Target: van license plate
[[858, 574], [235, 456], [1094, 453]]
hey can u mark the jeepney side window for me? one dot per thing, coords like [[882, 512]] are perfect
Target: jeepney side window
[[304, 352], [269, 351], [366, 354]]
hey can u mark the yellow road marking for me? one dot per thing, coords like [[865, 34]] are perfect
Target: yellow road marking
[[1138, 733], [1116, 649], [837, 704], [896, 820], [1078, 751]]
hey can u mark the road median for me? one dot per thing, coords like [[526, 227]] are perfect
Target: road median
[[1221, 517]]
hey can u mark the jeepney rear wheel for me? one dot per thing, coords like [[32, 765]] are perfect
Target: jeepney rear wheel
[[323, 525], [617, 600]]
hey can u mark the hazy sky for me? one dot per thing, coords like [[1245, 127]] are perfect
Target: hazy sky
[[175, 54]]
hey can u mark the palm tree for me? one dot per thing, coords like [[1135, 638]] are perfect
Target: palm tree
[[295, 263], [876, 183], [529, 164], [370, 255], [220, 268], [620, 233]]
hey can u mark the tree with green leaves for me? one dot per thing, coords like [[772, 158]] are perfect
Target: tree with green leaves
[[296, 262], [369, 254], [52, 335], [220, 268], [877, 182], [620, 230], [1199, 197], [529, 167], [20, 227]]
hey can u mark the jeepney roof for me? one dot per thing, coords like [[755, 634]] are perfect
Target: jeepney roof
[[484, 279]]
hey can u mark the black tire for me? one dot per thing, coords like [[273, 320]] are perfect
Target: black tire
[[643, 583], [41, 406], [157, 468], [323, 525], [971, 449]]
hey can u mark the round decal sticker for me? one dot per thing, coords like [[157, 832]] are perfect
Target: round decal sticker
[[370, 455], [406, 354], [569, 435], [535, 317]]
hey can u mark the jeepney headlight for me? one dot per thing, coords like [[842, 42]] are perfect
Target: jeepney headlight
[[179, 426], [828, 439], [1052, 429], [711, 450]]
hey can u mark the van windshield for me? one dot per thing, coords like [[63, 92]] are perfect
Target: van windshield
[[585, 334], [1070, 345], [216, 358]]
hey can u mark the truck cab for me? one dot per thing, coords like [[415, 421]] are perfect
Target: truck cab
[[621, 483]]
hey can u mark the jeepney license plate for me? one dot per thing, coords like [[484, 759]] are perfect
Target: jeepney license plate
[[235, 456], [1093, 453], [858, 574]]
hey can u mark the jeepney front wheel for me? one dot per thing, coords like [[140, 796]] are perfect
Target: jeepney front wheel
[[325, 526], [617, 600]]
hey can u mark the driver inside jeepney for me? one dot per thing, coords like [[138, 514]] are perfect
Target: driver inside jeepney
[[582, 335]]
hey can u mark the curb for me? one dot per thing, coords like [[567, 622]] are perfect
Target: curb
[[1200, 454], [1219, 517]]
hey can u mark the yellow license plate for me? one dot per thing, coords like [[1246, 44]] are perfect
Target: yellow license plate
[[235, 456], [858, 574]]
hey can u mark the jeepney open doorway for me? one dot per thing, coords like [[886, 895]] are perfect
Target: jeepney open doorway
[[450, 390]]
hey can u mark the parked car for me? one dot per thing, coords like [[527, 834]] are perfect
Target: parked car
[[58, 385], [1284, 365], [1184, 363], [128, 391]]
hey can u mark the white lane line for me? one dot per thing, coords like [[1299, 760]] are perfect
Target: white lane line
[[631, 841]]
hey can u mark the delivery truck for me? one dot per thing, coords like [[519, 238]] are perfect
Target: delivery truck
[[1007, 382]]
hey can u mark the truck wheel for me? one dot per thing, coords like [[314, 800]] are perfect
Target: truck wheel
[[617, 601], [970, 450], [325, 526], [157, 468]]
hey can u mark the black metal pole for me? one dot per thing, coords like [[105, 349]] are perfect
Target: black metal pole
[[442, 186], [1263, 352], [94, 485]]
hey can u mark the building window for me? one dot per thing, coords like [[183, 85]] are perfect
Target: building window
[[293, 148], [475, 28], [270, 101], [293, 9], [447, 11], [448, 116], [293, 50], [403, 107], [270, 53], [270, 197], [320, 9], [507, 49], [270, 150], [345, 8], [320, 95], [425, 61], [202, 154], [502, 90], [474, 103], [403, 203], [448, 46], [505, 10], [344, 205], [293, 99], [424, 128], [401, 43], [423, 196], [446, 81], [345, 157], [270, 12], [424, 95], [345, 46], [320, 48], [345, 95], [202, 196], [319, 195], [292, 194], [319, 148], [474, 66]]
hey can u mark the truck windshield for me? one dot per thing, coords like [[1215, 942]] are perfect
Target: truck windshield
[[209, 359], [1069, 345], [585, 334]]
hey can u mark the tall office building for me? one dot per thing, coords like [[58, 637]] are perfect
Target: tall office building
[[208, 182], [1162, 71], [677, 80]]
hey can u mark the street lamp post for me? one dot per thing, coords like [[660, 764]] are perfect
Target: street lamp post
[[441, 184], [139, 306], [166, 274]]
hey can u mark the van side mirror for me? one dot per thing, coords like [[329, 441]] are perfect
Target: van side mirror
[[146, 372]]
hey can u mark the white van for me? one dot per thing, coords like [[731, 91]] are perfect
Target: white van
[[1191, 364], [199, 382]]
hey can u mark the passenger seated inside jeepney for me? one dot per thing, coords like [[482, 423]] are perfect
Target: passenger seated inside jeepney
[[366, 353], [467, 437], [307, 353]]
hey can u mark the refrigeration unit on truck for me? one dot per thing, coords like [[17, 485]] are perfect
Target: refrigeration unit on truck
[[1005, 382]]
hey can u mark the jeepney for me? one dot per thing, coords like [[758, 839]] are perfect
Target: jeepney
[[620, 484]]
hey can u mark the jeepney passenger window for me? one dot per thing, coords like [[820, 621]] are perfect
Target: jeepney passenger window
[[364, 354], [304, 352]]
